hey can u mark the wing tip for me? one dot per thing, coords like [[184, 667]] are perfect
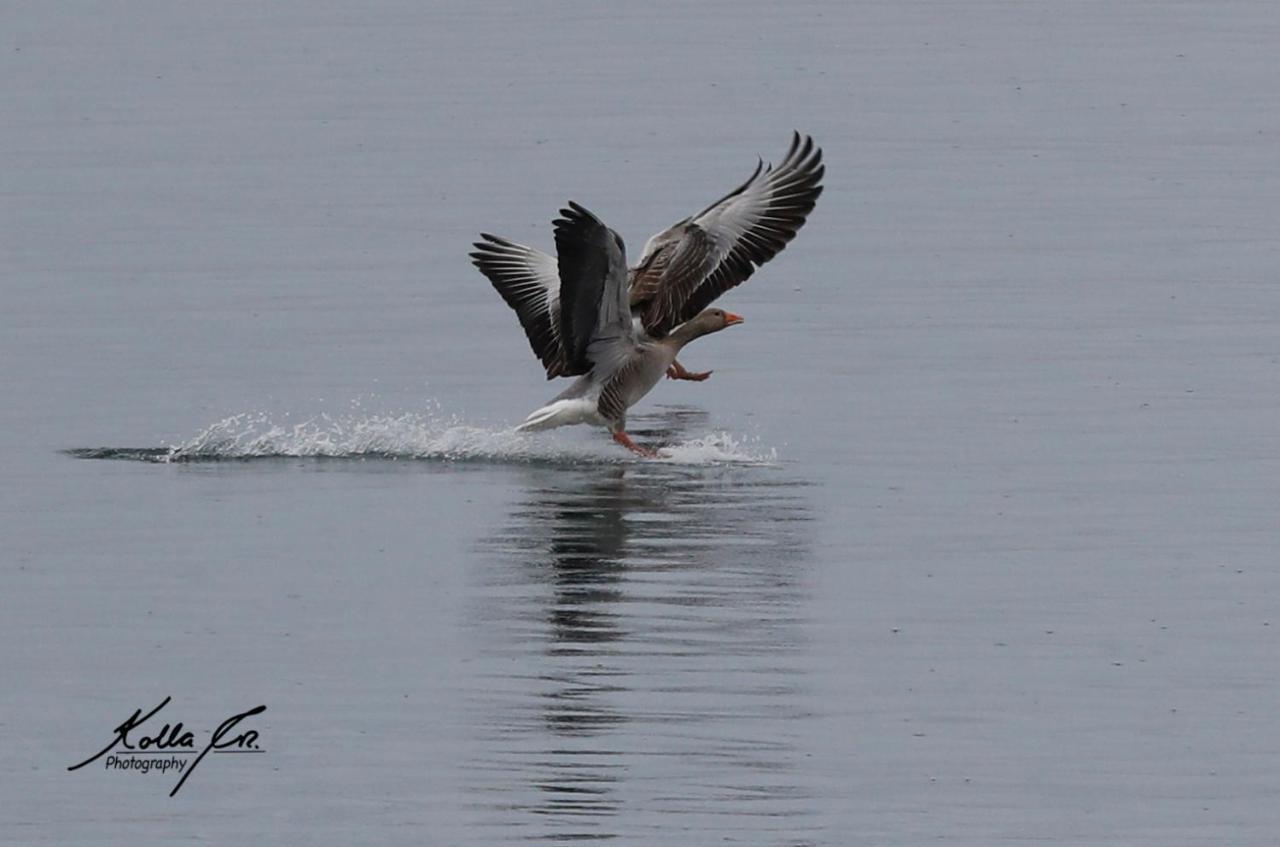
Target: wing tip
[[496, 246], [575, 214], [804, 155]]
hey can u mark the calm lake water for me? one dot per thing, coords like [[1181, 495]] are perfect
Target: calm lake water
[[970, 538]]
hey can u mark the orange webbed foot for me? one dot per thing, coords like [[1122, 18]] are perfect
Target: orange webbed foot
[[677, 371], [625, 440]]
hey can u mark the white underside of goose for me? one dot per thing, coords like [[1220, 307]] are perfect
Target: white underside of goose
[[578, 410]]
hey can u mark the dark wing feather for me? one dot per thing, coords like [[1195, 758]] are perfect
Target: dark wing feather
[[645, 279], [587, 252], [529, 282], [691, 261], [724, 244]]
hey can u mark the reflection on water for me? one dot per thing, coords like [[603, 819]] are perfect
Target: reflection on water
[[642, 657]]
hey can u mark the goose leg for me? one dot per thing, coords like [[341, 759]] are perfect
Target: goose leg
[[677, 371], [625, 440]]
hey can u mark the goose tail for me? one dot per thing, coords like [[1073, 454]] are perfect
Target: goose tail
[[560, 413]]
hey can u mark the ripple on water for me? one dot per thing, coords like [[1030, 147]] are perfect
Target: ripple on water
[[641, 646]]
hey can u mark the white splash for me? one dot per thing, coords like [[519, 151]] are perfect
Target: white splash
[[432, 436], [717, 448]]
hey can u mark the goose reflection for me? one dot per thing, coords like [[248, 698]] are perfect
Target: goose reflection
[[643, 635]]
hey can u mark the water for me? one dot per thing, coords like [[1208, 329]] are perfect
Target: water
[[969, 538], [423, 437], [642, 646]]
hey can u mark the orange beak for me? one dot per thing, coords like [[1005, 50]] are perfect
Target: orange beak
[[730, 319]]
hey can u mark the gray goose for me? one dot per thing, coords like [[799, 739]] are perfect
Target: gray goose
[[597, 337], [681, 270]]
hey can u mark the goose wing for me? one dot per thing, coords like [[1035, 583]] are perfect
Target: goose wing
[[595, 317], [593, 268], [529, 281], [684, 268]]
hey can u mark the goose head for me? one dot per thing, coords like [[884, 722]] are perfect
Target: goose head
[[714, 320]]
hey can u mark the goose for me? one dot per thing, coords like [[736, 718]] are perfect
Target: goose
[[597, 338], [681, 269]]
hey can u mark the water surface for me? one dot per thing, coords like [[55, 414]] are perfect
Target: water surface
[[970, 537]]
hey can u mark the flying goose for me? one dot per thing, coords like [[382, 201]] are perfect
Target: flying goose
[[596, 337], [681, 270]]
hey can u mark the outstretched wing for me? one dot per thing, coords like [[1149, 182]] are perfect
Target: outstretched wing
[[529, 281], [686, 267], [594, 312]]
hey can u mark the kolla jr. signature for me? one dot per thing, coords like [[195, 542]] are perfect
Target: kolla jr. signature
[[174, 738]]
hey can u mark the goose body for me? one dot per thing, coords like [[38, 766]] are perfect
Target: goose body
[[620, 330], [596, 331], [649, 361]]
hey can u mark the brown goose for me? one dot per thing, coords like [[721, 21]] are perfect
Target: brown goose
[[595, 333], [682, 269]]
